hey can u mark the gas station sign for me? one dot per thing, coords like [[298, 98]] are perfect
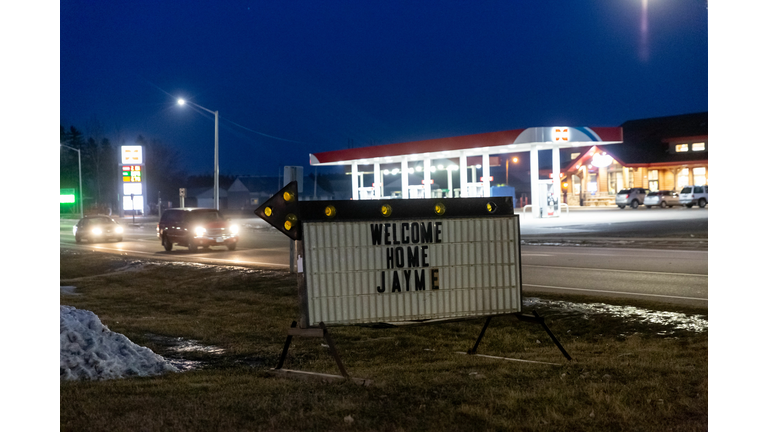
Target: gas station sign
[[132, 155], [132, 175]]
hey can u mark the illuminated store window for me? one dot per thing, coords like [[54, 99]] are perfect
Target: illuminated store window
[[682, 178], [653, 180], [700, 176], [681, 148], [698, 146]]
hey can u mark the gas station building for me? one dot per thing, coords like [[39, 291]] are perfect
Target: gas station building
[[471, 156]]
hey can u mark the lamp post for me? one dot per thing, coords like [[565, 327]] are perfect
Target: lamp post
[[215, 150], [79, 175]]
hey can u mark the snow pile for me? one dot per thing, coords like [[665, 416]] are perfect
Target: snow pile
[[89, 350]]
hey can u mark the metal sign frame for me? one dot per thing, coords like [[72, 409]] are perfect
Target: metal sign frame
[[473, 240], [488, 225]]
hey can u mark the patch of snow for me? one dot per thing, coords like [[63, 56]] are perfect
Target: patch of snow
[[89, 350]]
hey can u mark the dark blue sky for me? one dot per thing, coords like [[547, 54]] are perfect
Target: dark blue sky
[[322, 74]]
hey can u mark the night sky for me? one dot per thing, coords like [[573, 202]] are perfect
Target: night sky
[[291, 78]]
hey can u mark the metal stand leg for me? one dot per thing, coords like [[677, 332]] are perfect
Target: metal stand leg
[[315, 332], [537, 319], [334, 353], [285, 348], [482, 333], [552, 336]]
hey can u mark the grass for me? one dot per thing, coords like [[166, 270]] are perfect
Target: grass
[[626, 375]]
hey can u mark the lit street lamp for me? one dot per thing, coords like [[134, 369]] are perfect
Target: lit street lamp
[[215, 150], [80, 176]]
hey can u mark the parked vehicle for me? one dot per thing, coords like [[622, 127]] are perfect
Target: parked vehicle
[[631, 197], [97, 228], [663, 199], [694, 195], [196, 227]]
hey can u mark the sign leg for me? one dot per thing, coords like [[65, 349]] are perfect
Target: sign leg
[[334, 353], [482, 333], [285, 348], [538, 319]]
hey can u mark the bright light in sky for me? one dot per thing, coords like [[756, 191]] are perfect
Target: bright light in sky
[[644, 54], [181, 101]]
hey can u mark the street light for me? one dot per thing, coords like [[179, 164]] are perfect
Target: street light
[[215, 149], [79, 174]]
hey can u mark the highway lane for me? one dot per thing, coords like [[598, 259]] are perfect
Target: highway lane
[[671, 276], [258, 246]]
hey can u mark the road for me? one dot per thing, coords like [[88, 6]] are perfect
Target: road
[[667, 275]]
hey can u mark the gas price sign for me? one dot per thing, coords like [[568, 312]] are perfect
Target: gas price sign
[[403, 260], [131, 173]]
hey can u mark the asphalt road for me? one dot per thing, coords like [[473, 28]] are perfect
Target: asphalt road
[[666, 273]]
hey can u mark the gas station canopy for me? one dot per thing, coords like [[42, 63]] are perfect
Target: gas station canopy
[[544, 193], [512, 141]]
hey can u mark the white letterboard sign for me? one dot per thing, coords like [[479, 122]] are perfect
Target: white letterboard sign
[[411, 269]]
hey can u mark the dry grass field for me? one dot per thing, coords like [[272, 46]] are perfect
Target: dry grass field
[[629, 372]]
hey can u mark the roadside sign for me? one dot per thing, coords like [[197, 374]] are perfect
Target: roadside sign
[[66, 196], [402, 261]]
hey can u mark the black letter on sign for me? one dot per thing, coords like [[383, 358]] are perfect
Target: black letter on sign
[[415, 232], [394, 234], [407, 276], [395, 282], [413, 256], [404, 232], [426, 232], [420, 281], [435, 279], [387, 234], [376, 234], [424, 250], [381, 287], [399, 257], [438, 231], [390, 258]]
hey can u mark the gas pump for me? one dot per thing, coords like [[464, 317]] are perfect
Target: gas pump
[[549, 199], [366, 193], [415, 191], [475, 189]]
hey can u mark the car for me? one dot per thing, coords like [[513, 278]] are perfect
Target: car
[[694, 195], [663, 199], [632, 197], [196, 227], [97, 228]]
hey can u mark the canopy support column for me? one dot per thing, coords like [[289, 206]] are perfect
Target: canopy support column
[[427, 178], [404, 179], [355, 182], [486, 175], [377, 186], [535, 181], [556, 177], [463, 175]]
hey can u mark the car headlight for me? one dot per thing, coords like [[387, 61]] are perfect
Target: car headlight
[[96, 231], [234, 229], [200, 231], [119, 229]]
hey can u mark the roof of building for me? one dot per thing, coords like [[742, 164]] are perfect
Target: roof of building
[[648, 141], [517, 140]]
